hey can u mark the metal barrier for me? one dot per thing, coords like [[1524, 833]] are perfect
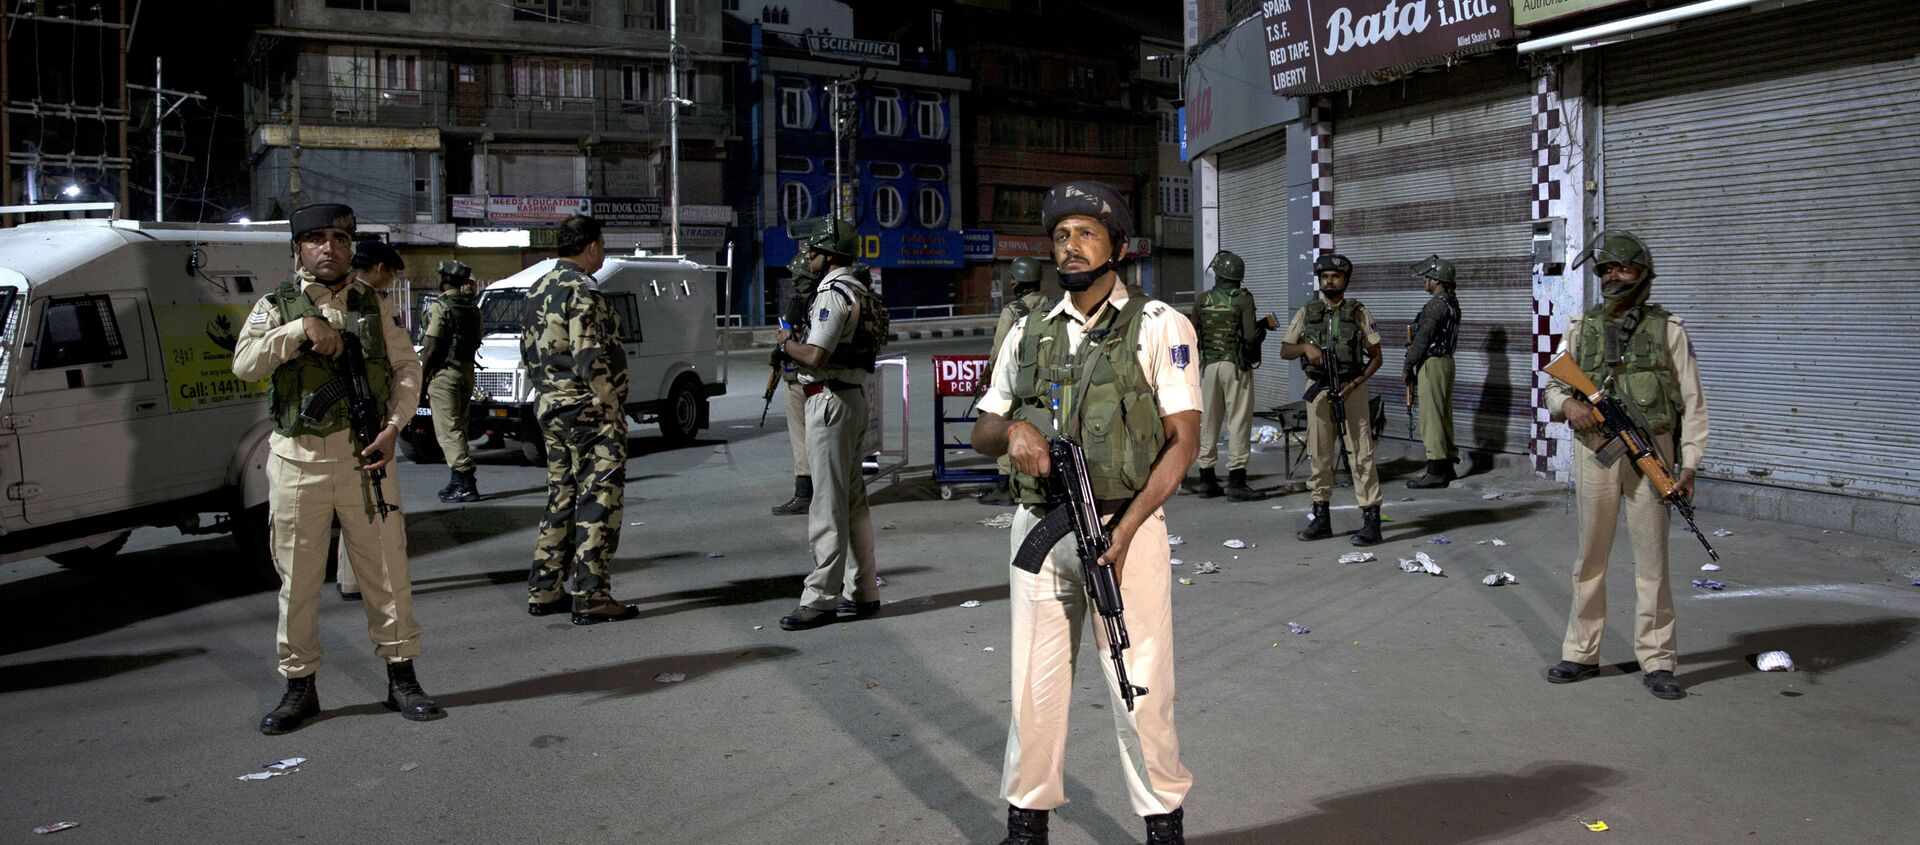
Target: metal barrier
[[882, 460]]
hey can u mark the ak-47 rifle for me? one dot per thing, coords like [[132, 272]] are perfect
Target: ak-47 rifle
[[773, 381], [363, 416], [1411, 431], [1070, 491], [1626, 437], [1330, 363]]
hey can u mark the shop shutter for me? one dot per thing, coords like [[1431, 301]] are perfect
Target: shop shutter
[[531, 175], [1253, 225], [1770, 162], [1439, 164]]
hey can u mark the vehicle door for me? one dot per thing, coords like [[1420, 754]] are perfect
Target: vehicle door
[[642, 378], [13, 291]]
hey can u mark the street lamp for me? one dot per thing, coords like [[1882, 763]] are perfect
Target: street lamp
[[70, 191]]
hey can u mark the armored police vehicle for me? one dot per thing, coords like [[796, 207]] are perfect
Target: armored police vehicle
[[118, 404], [674, 361]]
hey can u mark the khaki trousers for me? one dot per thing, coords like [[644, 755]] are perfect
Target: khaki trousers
[[1050, 615], [1436, 408], [303, 499], [1601, 490], [839, 523], [1323, 445], [797, 428], [1226, 395], [450, 395]]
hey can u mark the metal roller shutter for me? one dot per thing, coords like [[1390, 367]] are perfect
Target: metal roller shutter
[[526, 174], [1776, 179], [1253, 225], [1441, 165]]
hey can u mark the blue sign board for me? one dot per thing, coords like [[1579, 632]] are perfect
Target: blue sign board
[[883, 248], [977, 244]]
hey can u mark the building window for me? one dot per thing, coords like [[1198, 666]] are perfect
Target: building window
[[553, 11], [796, 164], [931, 206], [1018, 70], [1163, 66], [1017, 205], [1081, 80], [372, 5], [1169, 127], [886, 112], [775, 15], [884, 170], [796, 105], [548, 81], [729, 5], [929, 173], [887, 209], [1176, 196], [930, 117], [796, 202], [399, 73], [1079, 137], [468, 74]]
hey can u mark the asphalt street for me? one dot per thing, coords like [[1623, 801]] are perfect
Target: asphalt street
[[1413, 711]]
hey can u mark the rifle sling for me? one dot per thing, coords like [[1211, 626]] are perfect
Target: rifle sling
[[1053, 527]]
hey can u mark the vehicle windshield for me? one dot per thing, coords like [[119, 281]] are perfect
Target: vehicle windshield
[[500, 310]]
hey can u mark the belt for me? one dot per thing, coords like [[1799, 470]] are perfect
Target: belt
[[816, 388]]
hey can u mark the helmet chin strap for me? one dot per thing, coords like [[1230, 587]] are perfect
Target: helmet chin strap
[[1081, 280]]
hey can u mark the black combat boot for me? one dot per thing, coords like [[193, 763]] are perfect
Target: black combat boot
[[1210, 484], [465, 488], [1439, 474], [1319, 523], [405, 695], [301, 702], [1237, 488], [453, 483], [1369, 533], [1025, 827], [1166, 829], [802, 500]]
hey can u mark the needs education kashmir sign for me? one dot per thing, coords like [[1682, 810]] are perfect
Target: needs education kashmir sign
[[1321, 45]]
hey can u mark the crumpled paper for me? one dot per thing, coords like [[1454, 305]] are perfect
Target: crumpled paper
[[670, 677], [1235, 544], [1498, 578], [1206, 568], [1357, 557], [1709, 583], [1775, 661], [1266, 434], [1722, 532], [970, 603], [1297, 628], [1004, 520], [1709, 567], [1421, 563], [1440, 540], [1175, 540], [276, 769]]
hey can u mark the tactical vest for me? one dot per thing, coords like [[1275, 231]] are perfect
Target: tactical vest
[[869, 334], [464, 329], [1219, 314], [290, 386], [1326, 326], [1101, 396], [1447, 337], [1643, 378]]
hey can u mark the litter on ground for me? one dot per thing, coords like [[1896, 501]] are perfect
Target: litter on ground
[[1421, 563], [1176, 561], [712, 555], [1187, 581], [1775, 661], [1235, 544], [56, 827], [670, 677], [1266, 434], [1498, 578], [1709, 567], [408, 767], [970, 603], [1440, 540], [1708, 583], [1207, 568], [1297, 628], [1357, 557], [1722, 532], [879, 581], [1499, 542], [1004, 520], [1175, 540]]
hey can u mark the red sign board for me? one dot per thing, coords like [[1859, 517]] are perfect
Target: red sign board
[[1319, 45], [958, 375]]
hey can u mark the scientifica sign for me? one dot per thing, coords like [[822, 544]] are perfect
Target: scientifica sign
[[1322, 45]]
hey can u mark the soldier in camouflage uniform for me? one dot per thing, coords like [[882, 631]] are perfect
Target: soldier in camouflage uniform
[[317, 471], [836, 352], [1026, 299], [1429, 370], [574, 357], [805, 280], [451, 338], [1230, 337]]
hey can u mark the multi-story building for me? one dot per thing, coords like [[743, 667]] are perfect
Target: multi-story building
[[437, 116], [1156, 88], [897, 152]]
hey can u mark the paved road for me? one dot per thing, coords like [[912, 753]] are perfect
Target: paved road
[[1414, 712]]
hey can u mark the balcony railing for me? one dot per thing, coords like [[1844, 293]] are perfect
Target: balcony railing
[[548, 114]]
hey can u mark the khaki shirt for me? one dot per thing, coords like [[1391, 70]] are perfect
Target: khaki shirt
[[1691, 439], [1168, 353], [266, 343], [1005, 325], [1369, 335], [833, 318]]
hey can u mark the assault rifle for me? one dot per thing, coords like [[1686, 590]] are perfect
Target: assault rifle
[[1330, 363], [1626, 437], [363, 416], [1070, 491]]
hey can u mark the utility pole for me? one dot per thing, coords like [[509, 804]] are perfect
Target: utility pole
[[160, 112], [845, 105], [674, 59]]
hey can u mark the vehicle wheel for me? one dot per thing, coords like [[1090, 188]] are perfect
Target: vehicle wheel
[[680, 419], [95, 556], [534, 454], [250, 535], [421, 453]]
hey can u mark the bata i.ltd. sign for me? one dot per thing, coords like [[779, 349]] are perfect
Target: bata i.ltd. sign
[[1322, 45]]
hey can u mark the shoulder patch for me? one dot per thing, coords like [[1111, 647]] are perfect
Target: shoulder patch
[[1182, 355], [258, 317], [825, 313]]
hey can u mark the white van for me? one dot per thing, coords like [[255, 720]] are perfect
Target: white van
[[674, 361], [118, 404]]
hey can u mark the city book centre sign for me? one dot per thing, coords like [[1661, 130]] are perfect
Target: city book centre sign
[[1321, 45]]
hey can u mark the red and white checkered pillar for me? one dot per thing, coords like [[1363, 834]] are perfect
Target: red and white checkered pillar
[[1320, 148]]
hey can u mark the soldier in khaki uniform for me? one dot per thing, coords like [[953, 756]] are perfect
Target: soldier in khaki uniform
[[1429, 370], [836, 352], [805, 282], [1072, 371], [1025, 299], [1639, 354], [1230, 338], [451, 338], [1340, 324], [575, 356], [375, 263], [317, 473]]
